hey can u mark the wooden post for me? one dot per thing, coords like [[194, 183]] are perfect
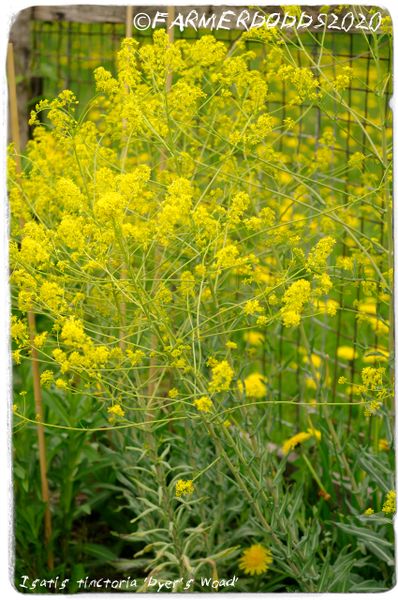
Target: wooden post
[[14, 125], [20, 36], [129, 21]]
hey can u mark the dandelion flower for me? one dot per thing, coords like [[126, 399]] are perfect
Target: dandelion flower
[[255, 560], [346, 353], [374, 355], [254, 338], [254, 386], [299, 438]]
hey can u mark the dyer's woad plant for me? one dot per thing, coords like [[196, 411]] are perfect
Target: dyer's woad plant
[[189, 258]]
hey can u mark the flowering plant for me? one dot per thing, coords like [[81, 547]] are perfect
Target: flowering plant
[[186, 274]]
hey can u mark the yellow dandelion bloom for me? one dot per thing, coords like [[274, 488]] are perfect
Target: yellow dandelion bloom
[[254, 338], [310, 383], [346, 353], [369, 307], [374, 355], [255, 560], [184, 488], [314, 359], [254, 386], [299, 438]]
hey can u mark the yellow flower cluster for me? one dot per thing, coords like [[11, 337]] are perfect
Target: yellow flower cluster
[[221, 376], [184, 487], [294, 300], [203, 404], [389, 506], [115, 411]]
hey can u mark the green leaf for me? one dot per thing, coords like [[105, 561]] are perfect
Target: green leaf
[[99, 551]]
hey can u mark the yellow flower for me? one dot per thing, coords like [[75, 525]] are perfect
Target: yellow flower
[[371, 408], [389, 506], [61, 384], [252, 307], [222, 374], [299, 438], [318, 255], [19, 331], [204, 404], [346, 353], [173, 393], [314, 359], [254, 338], [384, 446], [40, 339], [294, 299], [16, 356], [310, 383], [254, 386], [135, 356], [184, 488], [187, 283], [255, 560], [345, 263], [374, 355], [369, 307], [46, 377], [73, 332], [368, 512], [372, 378], [116, 411], [231, 345]]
